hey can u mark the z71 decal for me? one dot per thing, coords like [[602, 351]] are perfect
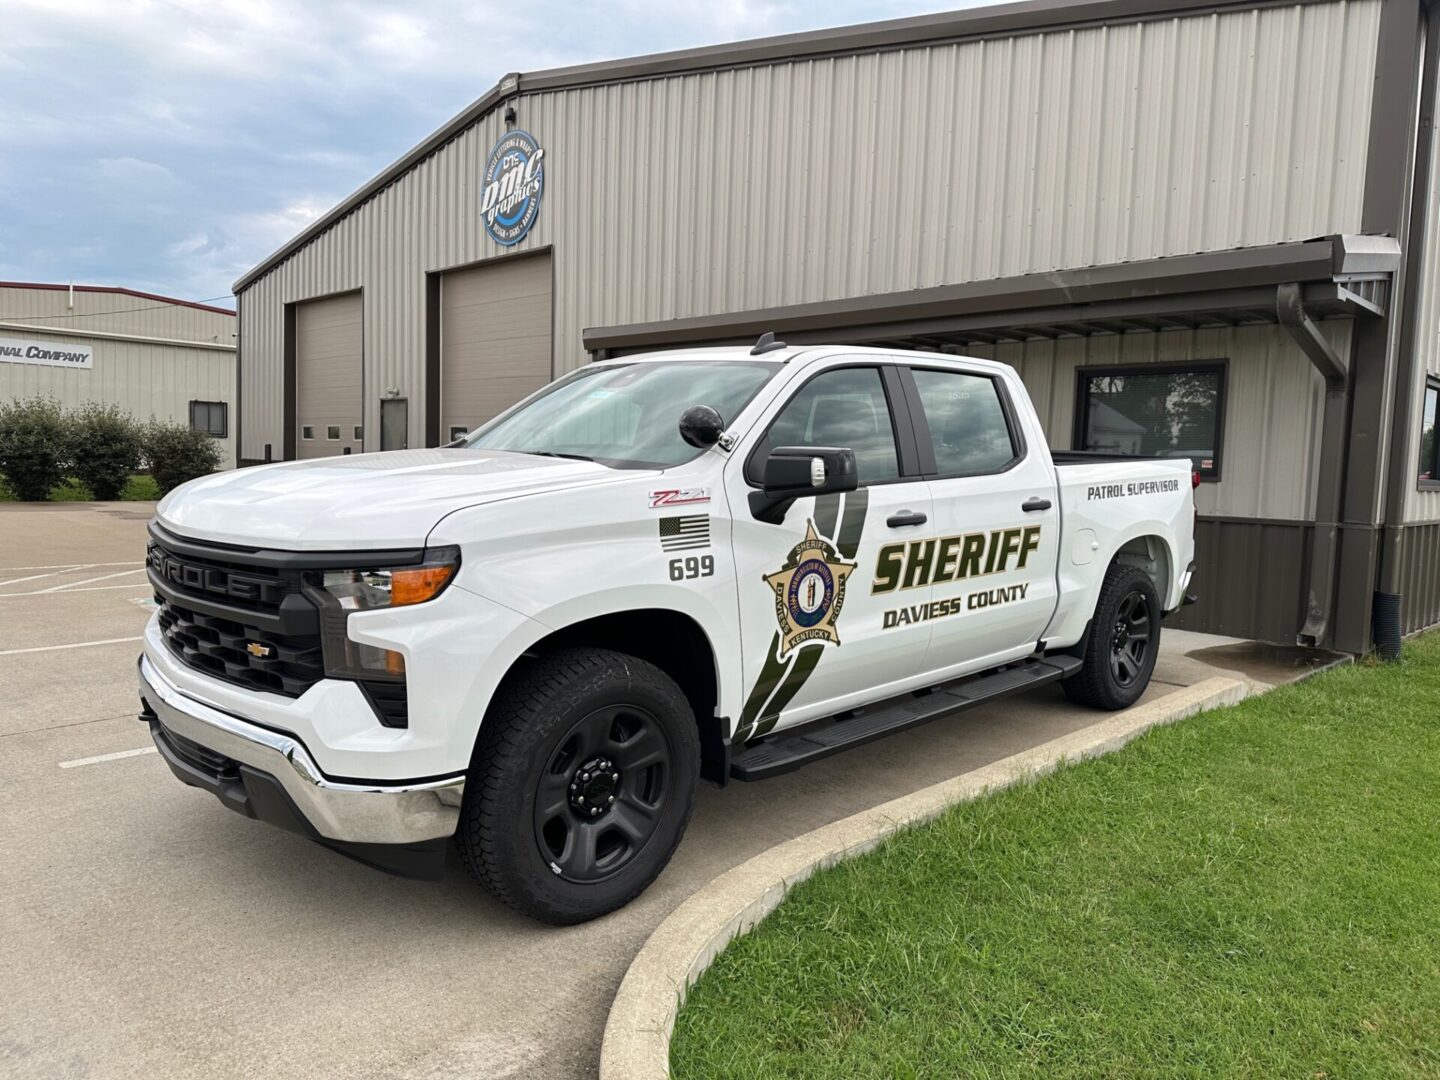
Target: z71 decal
[[666, 497]]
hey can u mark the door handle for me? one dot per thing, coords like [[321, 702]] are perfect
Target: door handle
[[1032, 505], [906, 517]]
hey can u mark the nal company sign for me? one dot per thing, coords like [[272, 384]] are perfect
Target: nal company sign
[[514, 182], [13, 351]]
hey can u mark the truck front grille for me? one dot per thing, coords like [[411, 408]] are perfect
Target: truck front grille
[[246, 622], [240, 654], [246, 617]]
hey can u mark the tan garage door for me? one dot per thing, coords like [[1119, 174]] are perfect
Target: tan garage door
[[329, 376], [494, 339]]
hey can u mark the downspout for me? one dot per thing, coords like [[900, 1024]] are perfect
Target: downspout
[[1388, 619], [1319, 589], [1290, 307]]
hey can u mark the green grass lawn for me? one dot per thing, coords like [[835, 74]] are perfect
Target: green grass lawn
[[1253, 892], [140, 488]]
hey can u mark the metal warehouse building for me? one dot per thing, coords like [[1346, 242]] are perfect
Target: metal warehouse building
[[153, 356], [1195, 228]]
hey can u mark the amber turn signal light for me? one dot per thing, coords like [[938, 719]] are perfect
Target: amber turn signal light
[[418, 585]]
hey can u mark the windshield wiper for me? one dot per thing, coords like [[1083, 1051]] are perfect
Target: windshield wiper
[[556, 453]]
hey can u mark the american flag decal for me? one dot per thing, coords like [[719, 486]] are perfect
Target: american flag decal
[[680, 533]]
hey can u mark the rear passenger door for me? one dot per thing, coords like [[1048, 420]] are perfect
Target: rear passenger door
[[989, 554]]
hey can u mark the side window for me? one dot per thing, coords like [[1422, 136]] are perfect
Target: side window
[[967, 422], [844, 407]]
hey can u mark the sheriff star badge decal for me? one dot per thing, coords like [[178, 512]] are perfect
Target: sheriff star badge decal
[[809, 592]]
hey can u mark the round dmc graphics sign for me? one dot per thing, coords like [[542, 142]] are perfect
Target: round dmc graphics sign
[[514, 182]]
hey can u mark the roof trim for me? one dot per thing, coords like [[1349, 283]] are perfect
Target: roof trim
[[105, 335], [119, 291], [1025, 17], [1204, 278]]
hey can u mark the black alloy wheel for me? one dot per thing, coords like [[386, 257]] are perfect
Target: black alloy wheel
[[581, 783], [1121, 643], [1130, 638], [602, 795]]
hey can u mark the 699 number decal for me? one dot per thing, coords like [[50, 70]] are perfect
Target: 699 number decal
[[693, 567]]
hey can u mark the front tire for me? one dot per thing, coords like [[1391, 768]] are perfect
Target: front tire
[[1121, 644], [581, 786]]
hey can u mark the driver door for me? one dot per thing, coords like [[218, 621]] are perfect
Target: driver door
[[815, 639]]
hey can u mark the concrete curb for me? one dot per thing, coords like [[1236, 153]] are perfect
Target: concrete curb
[[642, 1017]]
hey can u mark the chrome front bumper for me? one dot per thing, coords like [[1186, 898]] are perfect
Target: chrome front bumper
[[343, 812]]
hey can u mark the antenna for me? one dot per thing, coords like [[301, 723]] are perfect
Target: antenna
[[767, 343]]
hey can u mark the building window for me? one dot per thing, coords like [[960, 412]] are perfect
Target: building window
[[359, 433], [211, 417], [1429, 445], [307, 432], [458, 432], [333, 433], [1154, 410]]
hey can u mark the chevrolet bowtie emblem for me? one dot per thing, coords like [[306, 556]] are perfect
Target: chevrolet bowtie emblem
[[263, 652]]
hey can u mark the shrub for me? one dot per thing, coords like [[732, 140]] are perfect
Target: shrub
[[176, 454], [105, 449], [34, 447]]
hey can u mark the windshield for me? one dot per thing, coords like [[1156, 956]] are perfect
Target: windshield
[[626, 416]]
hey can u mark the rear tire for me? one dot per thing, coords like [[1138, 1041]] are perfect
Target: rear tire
[[1121, 643], [581, 786]]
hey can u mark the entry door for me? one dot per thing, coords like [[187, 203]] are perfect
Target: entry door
[[989, 554], [812, 631], [394, 424], [329, 365], [494, 339]]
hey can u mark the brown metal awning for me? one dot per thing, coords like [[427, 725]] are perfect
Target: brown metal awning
[[1338, 277]]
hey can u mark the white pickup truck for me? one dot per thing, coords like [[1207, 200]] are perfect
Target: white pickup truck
[[718, 563]]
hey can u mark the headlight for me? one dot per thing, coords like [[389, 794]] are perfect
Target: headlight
[[340, 592]]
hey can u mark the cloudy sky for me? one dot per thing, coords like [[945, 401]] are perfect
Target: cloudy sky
[[169, 145]]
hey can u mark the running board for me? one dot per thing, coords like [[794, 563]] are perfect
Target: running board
[[786, 752]]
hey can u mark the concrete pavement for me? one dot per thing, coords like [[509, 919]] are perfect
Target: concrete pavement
[[146, 929]]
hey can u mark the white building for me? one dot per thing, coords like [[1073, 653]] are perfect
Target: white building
[[153, 356]]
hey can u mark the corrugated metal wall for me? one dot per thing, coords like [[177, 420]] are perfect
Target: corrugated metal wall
[[1250, 577], [114, 313], [1420, 577], [1274, 401], [146, 380], [873, 173], [1425, 505]]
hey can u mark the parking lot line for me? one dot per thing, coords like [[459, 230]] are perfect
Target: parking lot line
[[107, 757], [91, 581], [73, 645], [50, 573], [68, 566], [50, 593]]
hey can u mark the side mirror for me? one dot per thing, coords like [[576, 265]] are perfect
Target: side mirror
[[701, 426], [793, 472]]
